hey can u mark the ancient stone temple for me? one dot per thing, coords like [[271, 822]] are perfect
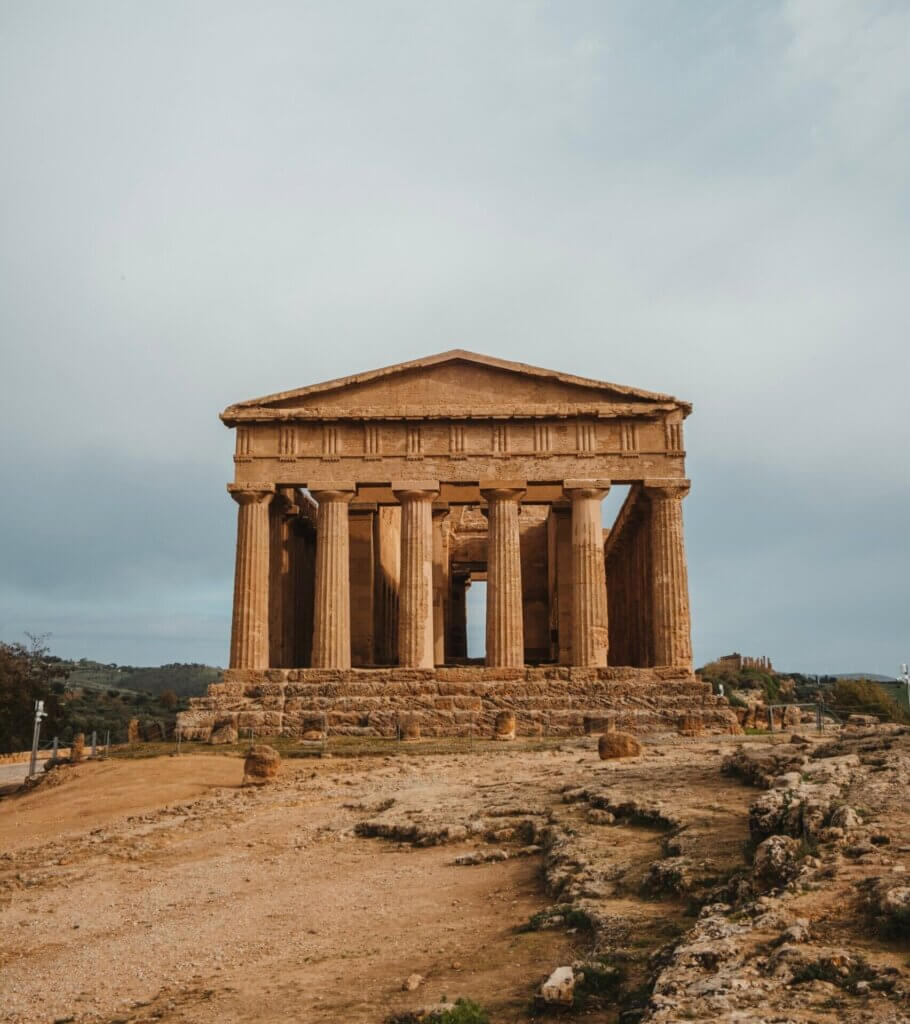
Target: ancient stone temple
[[366, 508]]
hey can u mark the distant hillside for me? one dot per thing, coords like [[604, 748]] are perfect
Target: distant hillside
[[185, 680], [871, 676]]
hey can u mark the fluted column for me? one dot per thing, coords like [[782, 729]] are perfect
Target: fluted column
[[332, 606], [505, 628], [415, 601], [441, 588], [589, 581], [672, 628], [250, 621]]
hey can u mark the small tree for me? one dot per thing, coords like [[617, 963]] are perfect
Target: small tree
[[168, 700], [27, 674]]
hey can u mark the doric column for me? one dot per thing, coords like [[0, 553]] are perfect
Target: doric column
[[672, 629], [332, 610], [250, 622], [303, 528], [415, 601], [440, 581], [589, 582], [361, 517], [458, 617], [505, 631]]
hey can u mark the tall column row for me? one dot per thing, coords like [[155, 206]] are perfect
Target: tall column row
[[648, 586]]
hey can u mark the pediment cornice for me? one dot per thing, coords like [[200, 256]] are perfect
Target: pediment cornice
[[326, 401]]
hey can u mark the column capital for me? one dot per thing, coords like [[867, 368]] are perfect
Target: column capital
[[415, 490], [586, 488], [251, 494], [503, 490], [659, 488], [337, 492]]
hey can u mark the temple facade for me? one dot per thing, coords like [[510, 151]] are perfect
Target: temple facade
[[368, 505], [366, 508]]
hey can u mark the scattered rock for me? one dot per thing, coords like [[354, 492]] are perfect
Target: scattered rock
[[598, 817], [613, 745], [775, 860], [504, 727], [409, 726], [313, 736], [845, 818], [412, 983], [262, 764], [559, 988]]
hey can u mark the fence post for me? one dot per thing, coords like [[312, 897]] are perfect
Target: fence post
[[770, 719], [56, 746], [94, 743]]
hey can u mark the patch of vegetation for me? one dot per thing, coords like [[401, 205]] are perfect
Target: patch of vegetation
[[825, 969], [464, 1011], [86, 696], [184, 680], [27, 674], [600, 985], [562, 916], [860, 696]]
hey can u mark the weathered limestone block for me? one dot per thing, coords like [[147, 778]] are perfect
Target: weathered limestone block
[[194, 724], [613, 745], [504, 726], [262, 765], [226, 733], [409, 726]]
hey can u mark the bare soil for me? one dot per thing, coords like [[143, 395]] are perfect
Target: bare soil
[[161, 889]]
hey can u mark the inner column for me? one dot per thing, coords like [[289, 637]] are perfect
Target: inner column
[[505, 629], [415, 609], [332, 611]]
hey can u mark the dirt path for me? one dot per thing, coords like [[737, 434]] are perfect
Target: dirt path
[[245, 905], [161, 890]]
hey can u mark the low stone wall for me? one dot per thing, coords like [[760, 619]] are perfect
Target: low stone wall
[[550, 701]]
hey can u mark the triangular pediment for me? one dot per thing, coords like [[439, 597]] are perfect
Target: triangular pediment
[[464, 382]]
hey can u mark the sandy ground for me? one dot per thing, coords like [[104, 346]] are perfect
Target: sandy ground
[[162, 887], [162, 890]]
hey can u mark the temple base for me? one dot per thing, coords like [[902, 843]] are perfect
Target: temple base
[[461, 701]]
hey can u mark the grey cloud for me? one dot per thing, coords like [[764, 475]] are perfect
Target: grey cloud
[[207, 202]]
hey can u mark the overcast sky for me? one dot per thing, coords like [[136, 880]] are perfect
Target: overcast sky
[[207, 201]]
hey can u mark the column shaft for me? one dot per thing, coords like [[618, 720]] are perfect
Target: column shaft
[[441, 587], [505, 628], [415, 608], [672, 631], [250, 620], [590, 639], [332, 606]]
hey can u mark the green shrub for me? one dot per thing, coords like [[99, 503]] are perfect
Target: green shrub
[[465, 1011], [860, 696]]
